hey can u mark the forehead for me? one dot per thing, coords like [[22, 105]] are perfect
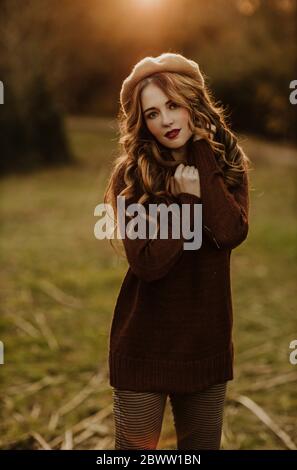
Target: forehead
[[152, 95]]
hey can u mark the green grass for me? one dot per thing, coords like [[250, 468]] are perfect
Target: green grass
[[53, 266]]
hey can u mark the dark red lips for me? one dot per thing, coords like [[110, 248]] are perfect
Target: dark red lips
[[172, 133]]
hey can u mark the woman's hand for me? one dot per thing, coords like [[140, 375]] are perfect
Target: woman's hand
[[185, 180]]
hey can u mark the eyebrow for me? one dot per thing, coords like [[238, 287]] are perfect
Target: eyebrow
[[148, 109]]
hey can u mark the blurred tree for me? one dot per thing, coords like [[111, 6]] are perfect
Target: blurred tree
[[248, 49], [31, 123]]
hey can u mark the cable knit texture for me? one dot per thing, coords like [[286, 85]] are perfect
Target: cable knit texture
[[172, 324]]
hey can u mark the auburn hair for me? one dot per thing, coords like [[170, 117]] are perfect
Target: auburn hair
[[146, 165]]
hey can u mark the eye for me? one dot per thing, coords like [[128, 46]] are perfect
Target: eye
[[171, 104], [149, 115]]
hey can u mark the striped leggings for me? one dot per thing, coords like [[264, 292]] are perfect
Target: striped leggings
[[198, 418]]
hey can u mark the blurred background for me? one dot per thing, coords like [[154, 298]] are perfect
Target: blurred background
[[62, 64]]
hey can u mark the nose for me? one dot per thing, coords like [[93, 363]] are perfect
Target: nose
[[166, 119]]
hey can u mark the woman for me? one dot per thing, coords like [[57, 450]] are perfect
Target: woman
[[172, 327]]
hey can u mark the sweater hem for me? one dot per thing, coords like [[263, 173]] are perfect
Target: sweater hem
[[169, 376]]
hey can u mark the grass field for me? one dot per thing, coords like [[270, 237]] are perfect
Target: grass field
[[60, 284]]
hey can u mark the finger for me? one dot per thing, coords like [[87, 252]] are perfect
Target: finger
[[179, 170], [193, 169], [193, 173], [188, 171]]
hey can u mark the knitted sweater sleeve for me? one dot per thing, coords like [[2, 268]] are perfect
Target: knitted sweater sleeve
[[225, 215], [152, 258]]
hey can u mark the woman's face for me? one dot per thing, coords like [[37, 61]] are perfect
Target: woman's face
[[162, 115]]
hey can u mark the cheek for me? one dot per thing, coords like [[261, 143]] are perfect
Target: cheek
[[184, 115], [152, 126]]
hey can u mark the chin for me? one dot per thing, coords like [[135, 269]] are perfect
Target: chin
[[177, 145]]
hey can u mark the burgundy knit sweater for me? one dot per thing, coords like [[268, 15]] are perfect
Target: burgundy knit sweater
[[172, 325]]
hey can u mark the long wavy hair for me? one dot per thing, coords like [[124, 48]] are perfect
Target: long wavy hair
[[146, 165]]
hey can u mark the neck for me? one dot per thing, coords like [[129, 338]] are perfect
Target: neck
[[180, 154]]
